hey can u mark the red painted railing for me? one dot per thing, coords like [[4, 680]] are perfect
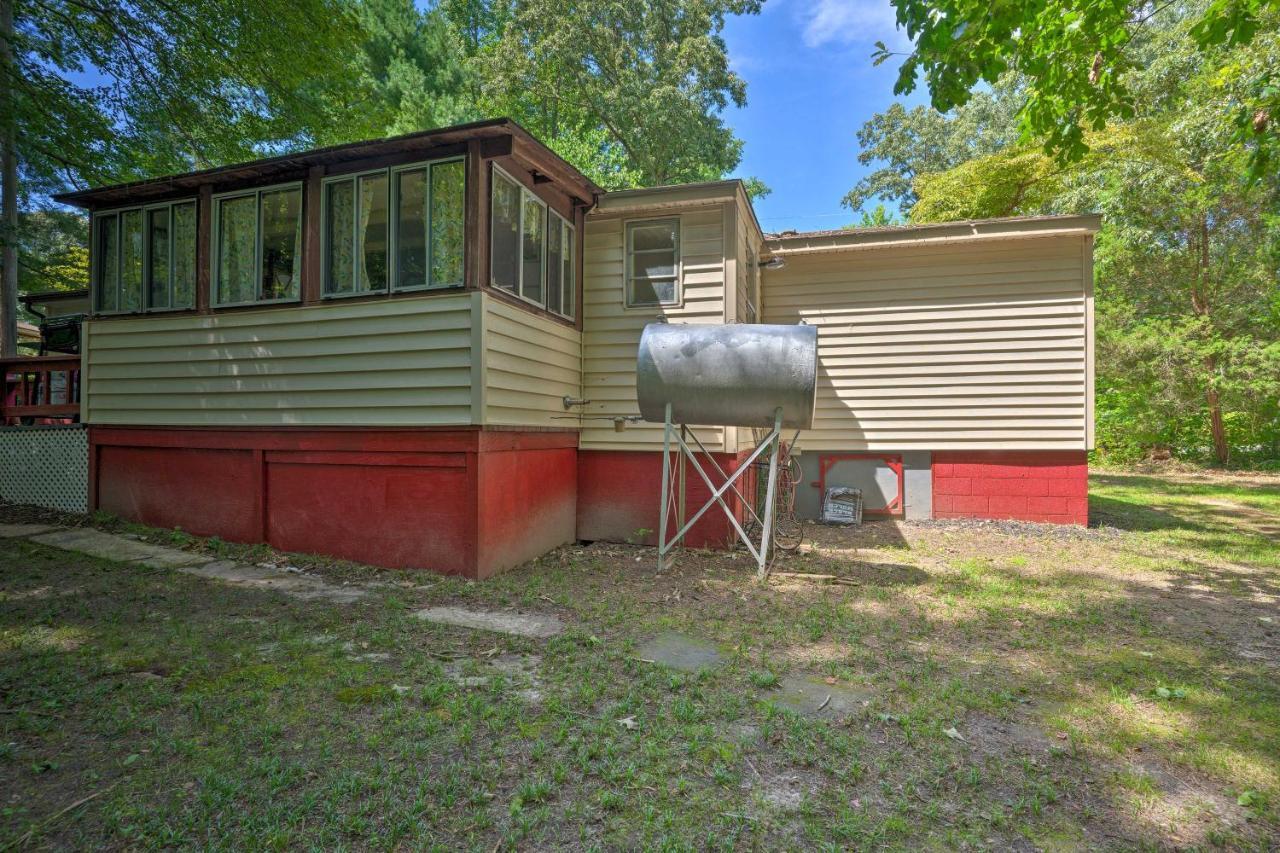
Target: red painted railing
[[40, 389]]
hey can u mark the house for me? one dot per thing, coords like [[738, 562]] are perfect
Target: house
[[420, 351]]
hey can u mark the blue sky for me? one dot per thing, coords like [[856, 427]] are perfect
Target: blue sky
[[810, 86]]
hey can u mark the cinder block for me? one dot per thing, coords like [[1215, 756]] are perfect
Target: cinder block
[[1047, 505], [970, 503], [952, 486], [1008, 506]]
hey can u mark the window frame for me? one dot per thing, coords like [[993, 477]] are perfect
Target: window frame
[[393, 227], [518, 292], [95, 256], [628, 227], [569, 232], [215, 235], [353, 178]]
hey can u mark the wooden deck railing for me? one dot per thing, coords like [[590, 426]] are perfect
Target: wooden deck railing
[[40, 389]]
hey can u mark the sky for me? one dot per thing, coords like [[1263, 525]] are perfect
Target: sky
[[810, 86]]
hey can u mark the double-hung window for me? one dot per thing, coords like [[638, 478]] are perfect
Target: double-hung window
[[258, 245], [398, 228], [531, 250], [144, 258], [653, 262]]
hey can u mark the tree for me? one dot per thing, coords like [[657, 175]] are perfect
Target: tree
[[632, 91], [96, 91], [1189, 257], [921, 140], [1077, 59]]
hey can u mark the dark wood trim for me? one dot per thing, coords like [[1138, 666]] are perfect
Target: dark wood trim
[[204, 249], [512, 299], [536, 157], [555, 198], [312, 205], [403, 158]]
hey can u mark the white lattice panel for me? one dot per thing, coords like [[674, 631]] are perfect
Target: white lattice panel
[[45, 465]]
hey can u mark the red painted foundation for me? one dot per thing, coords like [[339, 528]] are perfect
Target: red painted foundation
[[1046, 486], [619, 498], [471, 502]]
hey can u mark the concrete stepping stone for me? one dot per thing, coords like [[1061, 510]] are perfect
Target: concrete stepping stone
[[17, 531], [535, 625], [305, 587], [122, 549], [813, 697], [107, 546], [680, 651]]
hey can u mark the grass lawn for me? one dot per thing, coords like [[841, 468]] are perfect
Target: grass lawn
[[1022, 685]]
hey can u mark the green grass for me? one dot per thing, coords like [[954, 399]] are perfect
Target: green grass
[[1108, 688]]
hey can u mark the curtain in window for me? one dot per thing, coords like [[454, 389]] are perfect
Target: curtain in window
[[411, 228], [184, 255], [237, 249], [340, 268], [131, 253], [158, 235], [281, 243], [372, 229], [108, 263], [447, 215]]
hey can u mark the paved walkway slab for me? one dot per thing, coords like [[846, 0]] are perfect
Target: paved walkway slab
[[536, 625], [122, 549], [107, 546], [680, 651], [16, 531], [306, 587], [813, 697]]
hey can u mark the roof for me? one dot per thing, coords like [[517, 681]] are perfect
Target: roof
[[1006, 228], [291, 163], [678, 195]]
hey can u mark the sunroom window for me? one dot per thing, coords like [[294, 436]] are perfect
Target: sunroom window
[[144, 258], [653, 263], [400, 228], [531, 248], [258, 240]]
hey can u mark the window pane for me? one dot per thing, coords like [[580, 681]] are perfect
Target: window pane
[[504, 250], [237, 236], [555, 251], [184, 255], [535, 228], [158, 237], [659, 235], [281, 243], [339, 275], [108, 263], [653, 265], [131, 260], [373, 231], [645, 292], [411, 228], [447, 215], [568, 268]]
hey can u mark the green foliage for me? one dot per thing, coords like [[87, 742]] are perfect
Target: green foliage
[[1188, 294], [633, 91], [1078, 60], [877, 217]]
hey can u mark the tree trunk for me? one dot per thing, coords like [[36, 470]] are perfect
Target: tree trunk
[[9, 178], [1221, 450]]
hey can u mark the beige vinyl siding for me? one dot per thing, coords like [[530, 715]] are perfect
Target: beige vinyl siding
[[379, 363], [531, 363], [978, 345], [611, 333]]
